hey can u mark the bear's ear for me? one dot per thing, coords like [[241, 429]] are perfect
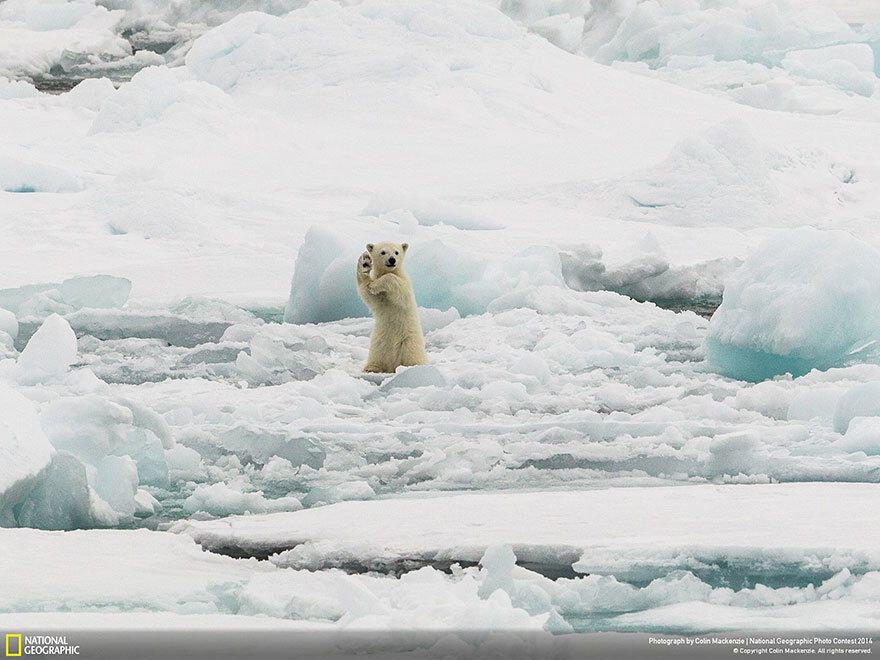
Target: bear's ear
[[369, 247], [404, 246]]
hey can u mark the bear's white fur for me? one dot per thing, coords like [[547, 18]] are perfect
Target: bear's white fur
[[397, 338]]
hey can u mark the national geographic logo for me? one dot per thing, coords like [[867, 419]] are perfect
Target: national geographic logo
[[13, 645], [19, 645]]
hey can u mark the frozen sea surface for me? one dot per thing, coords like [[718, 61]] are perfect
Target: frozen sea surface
[[549, 169], [565, 389], [553, 389], [117, 571], [733, 535]]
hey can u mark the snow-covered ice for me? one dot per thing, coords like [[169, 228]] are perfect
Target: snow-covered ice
[[142, 571], [551, 164], [804, 56], [716, 531], [157, 572]]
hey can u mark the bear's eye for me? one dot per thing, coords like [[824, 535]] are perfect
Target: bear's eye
[[382, 253], [396, 252]]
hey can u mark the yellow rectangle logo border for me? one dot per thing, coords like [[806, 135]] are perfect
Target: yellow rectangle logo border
[[13, 636]]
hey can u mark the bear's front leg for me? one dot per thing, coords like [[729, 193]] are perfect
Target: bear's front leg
[[364, 266], [384, 284]]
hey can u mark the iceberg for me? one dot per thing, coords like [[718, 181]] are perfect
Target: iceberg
[[861, 400], [41, 300], [444, 276], [847, 66], [49, 352], [60, 499], [120, 446], [224, 499], [19, 176], [24, 450], [794, 56], [8, 333], [806, 299]]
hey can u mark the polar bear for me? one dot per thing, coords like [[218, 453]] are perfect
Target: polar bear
[[397, 338]]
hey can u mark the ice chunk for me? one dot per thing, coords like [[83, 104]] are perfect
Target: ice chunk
[[584, 270], [89, 94], [724, 176], [145, 504], [207, 310], [185, 464], [100, 291], [142, 416], [256, 43], [344, 492], [499, 562], [24, 449], [646, 277], [308, 302], [419, 376], [145, 448], [806, 299], [8, 323], [657, 32], [116, 482], [736, 453], [430, 212], [562, 30], [43, 304], [273, 360], [259, 446], [768, 398], [19, 176], [862, 434], [553, 300], [7, 346], [862, 400], [151, 93], [444, 277], [814, 403], [40, 36], [223, 499], [122, 445], [278, 469], [42, 300], [736, 48], [847, 66], [252, 370], [159, 324], [225, 55], [49, 353], [119, 68], [534, 365], [60, 499], [434, 319], [89, 427], [13, 299], [16, 89]]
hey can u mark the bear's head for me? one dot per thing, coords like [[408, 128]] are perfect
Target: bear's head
[[387, 257]]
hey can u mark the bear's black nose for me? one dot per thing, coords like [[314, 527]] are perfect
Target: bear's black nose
[[392, 261]]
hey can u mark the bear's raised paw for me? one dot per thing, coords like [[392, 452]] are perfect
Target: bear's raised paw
[[365, 262]]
